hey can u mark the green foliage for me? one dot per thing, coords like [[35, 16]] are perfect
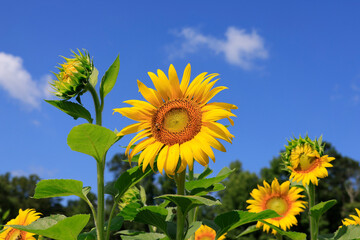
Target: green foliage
[[141, 236], [92, 140], [60, 188], [186, 203], [231, 220], [289, 234], [154, 216], [248, 230], [319, 209], [205, 185], [73, 109], [192, 229], [351, 232], [109, 79], [57, 227]]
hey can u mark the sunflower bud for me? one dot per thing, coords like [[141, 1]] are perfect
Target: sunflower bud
[[73, 76]]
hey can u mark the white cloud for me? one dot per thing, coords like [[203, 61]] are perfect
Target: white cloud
[[239, 47], [38, 170], [18, 82]]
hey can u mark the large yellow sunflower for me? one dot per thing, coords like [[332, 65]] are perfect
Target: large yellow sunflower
[[280, 198], [206, 233], [307, 166], [177, 121], [354, 221], [24, 218]]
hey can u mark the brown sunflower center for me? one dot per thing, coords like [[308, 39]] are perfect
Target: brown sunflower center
[[277, 204], [177, 121], [15, 234]]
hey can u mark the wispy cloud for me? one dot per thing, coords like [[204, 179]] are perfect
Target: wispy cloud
[[38, 170], [19, 83], [240, 48]]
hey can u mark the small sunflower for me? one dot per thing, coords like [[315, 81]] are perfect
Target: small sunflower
[[206, 233], [73, 76], [303, 158], [354, 221], [177, 121], [24, 218], [280, 198]]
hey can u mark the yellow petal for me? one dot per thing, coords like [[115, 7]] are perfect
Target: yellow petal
[[174, 83], [172, 159], [136, 127], [185, 79], [150, 95], [161, 161]]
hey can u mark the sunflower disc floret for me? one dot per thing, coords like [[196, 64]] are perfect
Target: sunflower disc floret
[[176, 123], [305, 160], [73, 76], [280, 198]]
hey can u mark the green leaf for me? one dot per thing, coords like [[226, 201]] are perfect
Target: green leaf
[[130, 211], [192, 229], [60, 188], [129, 178], [351, 232], [94, 77], [116, 223], [73, 109], [203, 191], [319, 209], [186, 203], [109, 79], [249, 230], [92, 140], [57, 227], [205, 183], [231, 220], [207, 171], [153, 215], [143, 236], [142, 195], [291, 235]]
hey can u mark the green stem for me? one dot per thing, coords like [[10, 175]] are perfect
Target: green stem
[[191, 216], [180, 182], [93, 213], [98, 107], [110, 218], [100, 218], [313, 224]]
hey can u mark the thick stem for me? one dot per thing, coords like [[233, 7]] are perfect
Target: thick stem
[[191, 216], [98, 107], [101, 201], [100, 218], [180, 182], [313, 224]]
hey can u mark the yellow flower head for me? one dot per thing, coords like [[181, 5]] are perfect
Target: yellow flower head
[[303, 159], [24, 218], [177, 121], [73, 76], [354, 221], [280, 198], [206, 233]]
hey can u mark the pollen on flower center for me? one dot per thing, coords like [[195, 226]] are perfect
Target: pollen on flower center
[[277, 204], [177, 121]]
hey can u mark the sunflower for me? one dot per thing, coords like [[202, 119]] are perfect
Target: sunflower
[[354, 221], [24, 218], [280, 198], [177, 122], [206, 233], [306, 161]]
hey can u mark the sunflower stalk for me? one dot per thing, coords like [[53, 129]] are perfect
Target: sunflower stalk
[[313, 224], [100, 218], [180, 218], [192, 216]]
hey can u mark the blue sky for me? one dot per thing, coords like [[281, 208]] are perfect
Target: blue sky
[[291, 67]]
